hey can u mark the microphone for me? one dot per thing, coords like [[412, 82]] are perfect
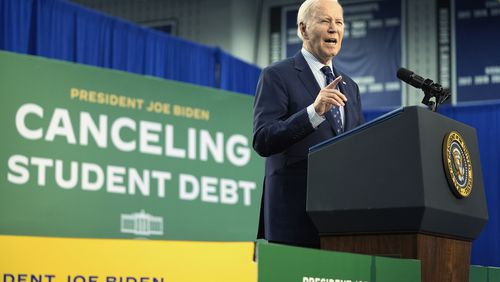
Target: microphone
[[410, 77], [430, 88]]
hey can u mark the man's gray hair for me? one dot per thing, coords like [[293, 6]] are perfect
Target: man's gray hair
[[305, 13]]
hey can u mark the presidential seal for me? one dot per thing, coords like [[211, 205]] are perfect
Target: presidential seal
[[457, 164]]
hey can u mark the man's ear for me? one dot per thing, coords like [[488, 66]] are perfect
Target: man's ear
[[303, 30]]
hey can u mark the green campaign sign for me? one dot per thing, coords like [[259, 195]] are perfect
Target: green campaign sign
[[88, 152], [484, 274], [284, 263]]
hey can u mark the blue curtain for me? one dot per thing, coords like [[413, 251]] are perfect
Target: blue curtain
[[486, 120], [62, 30], [237, 75]]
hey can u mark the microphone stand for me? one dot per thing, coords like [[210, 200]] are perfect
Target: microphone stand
[[436, 91]]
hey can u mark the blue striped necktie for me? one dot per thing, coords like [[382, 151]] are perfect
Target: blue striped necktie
[[335, 110]]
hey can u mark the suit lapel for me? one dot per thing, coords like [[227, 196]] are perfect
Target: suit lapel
[[306, 76]]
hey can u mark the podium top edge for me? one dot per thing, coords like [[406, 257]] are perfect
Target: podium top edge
[[371, 123]]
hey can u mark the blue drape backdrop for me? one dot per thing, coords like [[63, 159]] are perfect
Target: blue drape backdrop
[[237, 75], [66, 31], [62, 30]]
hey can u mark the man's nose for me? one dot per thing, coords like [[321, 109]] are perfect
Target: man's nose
[[332, 28]]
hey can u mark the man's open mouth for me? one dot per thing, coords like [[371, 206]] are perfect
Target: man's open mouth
[[331, 40]]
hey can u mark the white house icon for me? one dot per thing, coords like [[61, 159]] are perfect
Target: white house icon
[[141, 223]]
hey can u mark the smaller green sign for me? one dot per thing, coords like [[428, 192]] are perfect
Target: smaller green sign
[[484, 274], [285, 263]]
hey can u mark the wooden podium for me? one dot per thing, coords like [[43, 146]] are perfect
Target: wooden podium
[[383, 189]]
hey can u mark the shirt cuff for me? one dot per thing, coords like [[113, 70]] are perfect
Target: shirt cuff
[[314, 118]]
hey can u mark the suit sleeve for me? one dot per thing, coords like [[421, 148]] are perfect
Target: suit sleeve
[[275, 128], [358, 107]]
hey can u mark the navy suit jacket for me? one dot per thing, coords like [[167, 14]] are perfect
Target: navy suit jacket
[[283, 134]]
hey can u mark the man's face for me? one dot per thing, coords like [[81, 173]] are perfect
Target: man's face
[[324, 30]]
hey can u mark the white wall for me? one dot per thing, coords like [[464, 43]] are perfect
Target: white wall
[[421, 51]]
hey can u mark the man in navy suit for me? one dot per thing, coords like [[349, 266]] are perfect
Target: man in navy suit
[[300, 103]]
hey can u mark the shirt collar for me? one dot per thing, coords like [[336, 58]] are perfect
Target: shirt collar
[[313, 63]]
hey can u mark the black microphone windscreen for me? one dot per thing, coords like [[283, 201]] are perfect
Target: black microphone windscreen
[[404, 74]]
